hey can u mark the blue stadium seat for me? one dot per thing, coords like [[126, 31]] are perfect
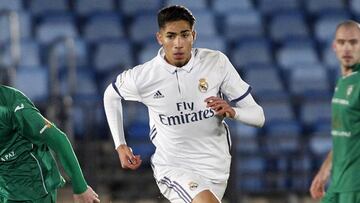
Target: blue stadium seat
[[324, 27], [103, 27], [86, 88], [310, 79], [80, 51], [313, 112], [323, 6], [296, 26], [251, 51], [51, 30], [329, 56], [41, 7], [138, 131], [25, 27], [29, 54], [215, 43], [13, 5], [136, 7], [148, 52], [296, 54], [265, 82], [278, 111], [223, 7], [144, 28], [247, 145], [354, 6], [114, 54], [38, 78], [275, 6], [320, 144], [88, 7], [245, 23], [252, 164], [205, 25], [190, 4]]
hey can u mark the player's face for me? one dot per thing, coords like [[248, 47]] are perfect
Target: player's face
[[177, 39], [347, 45]]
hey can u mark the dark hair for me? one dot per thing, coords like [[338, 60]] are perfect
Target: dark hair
[[175, 13]]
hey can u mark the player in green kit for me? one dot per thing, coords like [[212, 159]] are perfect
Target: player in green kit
[[28, 171], [344, 159]]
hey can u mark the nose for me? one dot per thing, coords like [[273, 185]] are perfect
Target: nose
[[178, 42]]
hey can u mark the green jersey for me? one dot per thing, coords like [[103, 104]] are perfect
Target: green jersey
[[28, 170], [346, 133]]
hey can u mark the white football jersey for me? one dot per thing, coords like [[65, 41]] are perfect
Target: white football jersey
[[185, 132]]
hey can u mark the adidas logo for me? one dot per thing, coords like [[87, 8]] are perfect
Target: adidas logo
[[158, 95]]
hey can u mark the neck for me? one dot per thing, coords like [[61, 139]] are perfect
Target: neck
[[346, 70]]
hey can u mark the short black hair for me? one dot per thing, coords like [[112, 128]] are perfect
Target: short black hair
[[175, 13]]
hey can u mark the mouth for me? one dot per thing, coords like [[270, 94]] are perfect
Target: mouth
[[347, 57], [178, 56]]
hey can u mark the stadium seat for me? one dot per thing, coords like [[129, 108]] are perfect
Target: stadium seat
[[324, 27], [190, 4], [13, 5], [143, 28], [88, 7], [320, 144], [114, 54], [304, 80], [329, 56], [296, 26], [42, 7], [313, 111], [25, 27], [38, 78], [251, 51], [222, 7], [135, 7], [275, 6], [296, 54], [62, 51], [148, 52], [278, 111], [205, 25], [354, 6], [51, 31], [103, 27], [323, 6], [245, 23], [215, 43], [29, 54]]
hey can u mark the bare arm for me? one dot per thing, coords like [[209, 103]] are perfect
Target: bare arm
[[317, 189]]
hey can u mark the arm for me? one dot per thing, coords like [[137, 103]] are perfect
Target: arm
[[113, 110], [246, 110], [41, 131], [317, 189]]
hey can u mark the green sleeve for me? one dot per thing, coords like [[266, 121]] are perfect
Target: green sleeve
[[40, 131]]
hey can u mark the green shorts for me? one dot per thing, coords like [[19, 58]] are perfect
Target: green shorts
[[49, 198], [343, 197]]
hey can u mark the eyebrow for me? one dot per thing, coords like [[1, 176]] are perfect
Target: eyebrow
[[183, 31]]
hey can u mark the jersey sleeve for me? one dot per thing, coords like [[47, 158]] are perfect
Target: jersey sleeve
[[39, 131], [233, 86], [125, 85]]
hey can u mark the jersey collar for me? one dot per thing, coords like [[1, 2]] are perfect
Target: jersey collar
[[356, 67], [187, 67]]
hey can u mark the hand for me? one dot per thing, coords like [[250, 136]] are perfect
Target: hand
[[89, 196], [220, 106], [127, 158], [317, 188]]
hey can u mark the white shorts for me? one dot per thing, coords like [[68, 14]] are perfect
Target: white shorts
[[181, 186]]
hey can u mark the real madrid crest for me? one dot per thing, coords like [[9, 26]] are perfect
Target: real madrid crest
[[203, 85], [193, 185]]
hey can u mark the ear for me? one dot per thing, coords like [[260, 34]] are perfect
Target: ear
[[159, 38], [334, 46], [194, 34]]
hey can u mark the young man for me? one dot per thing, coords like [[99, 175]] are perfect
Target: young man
[[28, 171], [182, 89], [344, 159]]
